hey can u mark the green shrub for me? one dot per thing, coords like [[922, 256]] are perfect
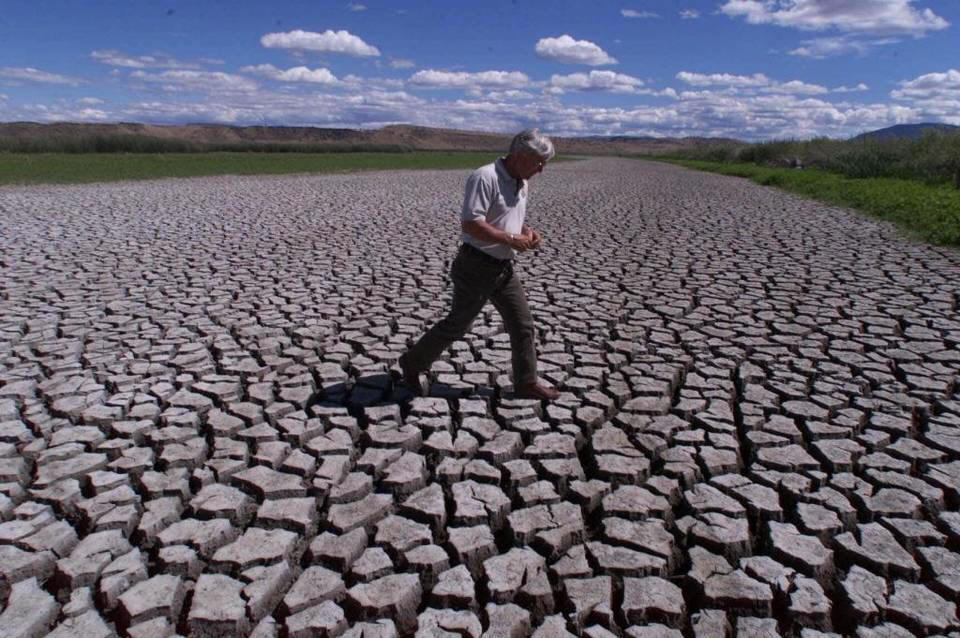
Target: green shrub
[[713, 152], [129, 143], [931, 159], [46, 168], [779, 153]]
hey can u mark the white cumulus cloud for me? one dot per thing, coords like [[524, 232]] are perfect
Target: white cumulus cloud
[[862, 16], [401, 63], [689, 14], [367, 83], [740, 112], [667, 92], [295, 74], [113, 57], [723, 79], [796, 87], [851, 89], [326, 42], [930, 85], [91, 115], [462, 79], [356, 6], [632, 13], [595, 81], [566, 49], [510, 94], [831, 46], [55, 113], [197, 81], [30, 74]]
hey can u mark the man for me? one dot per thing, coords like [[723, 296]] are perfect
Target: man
[[492, 221]]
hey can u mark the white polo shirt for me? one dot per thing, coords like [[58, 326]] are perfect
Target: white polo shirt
[[494, 196]]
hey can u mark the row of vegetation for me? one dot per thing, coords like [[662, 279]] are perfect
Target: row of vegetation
[[914, 183], [130, 143], [68, 168], [932, 159]]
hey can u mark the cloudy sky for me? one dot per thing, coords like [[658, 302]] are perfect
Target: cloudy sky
[[752, 69]]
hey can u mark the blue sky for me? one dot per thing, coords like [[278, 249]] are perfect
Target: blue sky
[[752, 69]]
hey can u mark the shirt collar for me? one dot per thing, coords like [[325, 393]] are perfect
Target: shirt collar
[[501, 165]]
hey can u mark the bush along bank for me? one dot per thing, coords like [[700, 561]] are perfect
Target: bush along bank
[[129, 143], [73, 168], [933, 158]]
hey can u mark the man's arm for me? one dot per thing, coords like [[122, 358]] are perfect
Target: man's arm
[[480, 229]]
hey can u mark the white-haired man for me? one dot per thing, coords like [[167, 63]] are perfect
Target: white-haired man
[[493, 232]]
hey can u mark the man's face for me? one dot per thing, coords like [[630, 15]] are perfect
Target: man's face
[[531, 164]]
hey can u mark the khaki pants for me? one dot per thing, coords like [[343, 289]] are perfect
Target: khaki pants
[[478, 278]]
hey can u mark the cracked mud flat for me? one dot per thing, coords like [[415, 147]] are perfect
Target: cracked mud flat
[[759, 431]]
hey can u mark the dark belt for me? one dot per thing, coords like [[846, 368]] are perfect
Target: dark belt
[[476, 252]]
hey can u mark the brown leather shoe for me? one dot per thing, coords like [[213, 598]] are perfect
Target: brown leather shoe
[[537, 390], [410, 377]]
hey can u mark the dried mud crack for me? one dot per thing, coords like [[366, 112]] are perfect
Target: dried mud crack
[[759, 432]]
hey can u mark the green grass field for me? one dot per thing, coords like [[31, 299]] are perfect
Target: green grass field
[[929, 213], [66, 168]]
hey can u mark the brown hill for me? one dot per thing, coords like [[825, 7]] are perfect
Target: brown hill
[[17, 134]]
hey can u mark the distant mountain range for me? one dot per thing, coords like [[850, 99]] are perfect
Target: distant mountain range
[[909, 131], [401, 135]]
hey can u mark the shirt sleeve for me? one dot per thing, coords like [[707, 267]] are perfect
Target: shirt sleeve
[[477, 198]]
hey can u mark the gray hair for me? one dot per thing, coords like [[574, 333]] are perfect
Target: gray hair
[[532, 141]]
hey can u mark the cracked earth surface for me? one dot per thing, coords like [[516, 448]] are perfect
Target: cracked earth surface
[[759, 431]]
